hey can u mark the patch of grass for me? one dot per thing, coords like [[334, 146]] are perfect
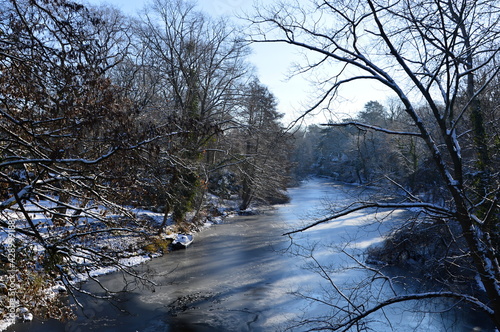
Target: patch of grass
[[157, 245]]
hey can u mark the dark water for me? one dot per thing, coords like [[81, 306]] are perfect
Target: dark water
[[235, 277]]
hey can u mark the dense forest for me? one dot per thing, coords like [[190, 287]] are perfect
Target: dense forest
[[104, 115]]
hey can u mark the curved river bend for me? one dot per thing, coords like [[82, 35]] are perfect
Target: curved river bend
[[236, 276]]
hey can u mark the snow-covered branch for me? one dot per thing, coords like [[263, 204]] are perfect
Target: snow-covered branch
[[22, 194]]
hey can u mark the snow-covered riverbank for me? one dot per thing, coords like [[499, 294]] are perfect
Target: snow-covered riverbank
[[134, 240]]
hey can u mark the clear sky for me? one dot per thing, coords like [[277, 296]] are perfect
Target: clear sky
[[273, 63]]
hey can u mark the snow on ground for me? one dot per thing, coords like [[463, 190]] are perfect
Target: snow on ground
[[127, 247]]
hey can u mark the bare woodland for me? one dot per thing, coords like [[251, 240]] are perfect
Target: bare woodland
[[102, 113]]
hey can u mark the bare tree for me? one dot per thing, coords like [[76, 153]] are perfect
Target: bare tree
[[200, 59], [432, 56], [189, 66]]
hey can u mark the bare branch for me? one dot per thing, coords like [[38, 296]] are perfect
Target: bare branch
[[371, 127], [359, 206]]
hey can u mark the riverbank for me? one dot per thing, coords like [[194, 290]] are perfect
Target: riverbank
[[136, 241]]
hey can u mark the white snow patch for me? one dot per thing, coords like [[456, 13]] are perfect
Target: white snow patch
[[368, 243]]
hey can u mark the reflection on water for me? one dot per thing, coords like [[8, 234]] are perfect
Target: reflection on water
[[235, 276]]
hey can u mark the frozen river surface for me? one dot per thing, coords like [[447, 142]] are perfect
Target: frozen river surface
[[243, 275]]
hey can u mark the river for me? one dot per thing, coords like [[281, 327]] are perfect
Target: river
[[243, 275]]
